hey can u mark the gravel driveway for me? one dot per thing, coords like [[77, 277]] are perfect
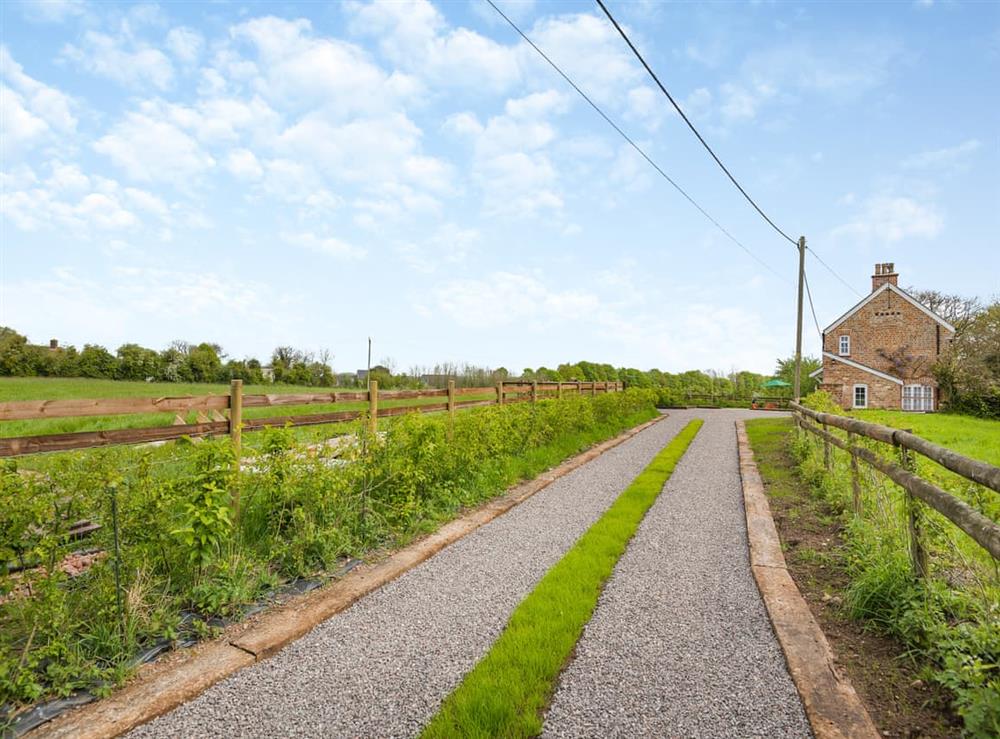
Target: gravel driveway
[[680, 643], [382, 667]]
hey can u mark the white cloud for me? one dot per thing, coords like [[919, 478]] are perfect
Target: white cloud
[[414, 35], [153, 150], [949, 158], [244, 164], [30, 111], [301, 71], [326, 245], [52, 11], [588, 49], [125, 60], [506, 298], [128, 303], [83, 204], [888, 219], [185, 44], [449, 244], [741, 102]]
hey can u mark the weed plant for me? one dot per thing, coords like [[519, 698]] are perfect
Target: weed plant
[[187, 553], [950, 620]]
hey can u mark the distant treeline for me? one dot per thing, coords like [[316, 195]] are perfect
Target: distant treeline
[[207, 362], [179, 362]]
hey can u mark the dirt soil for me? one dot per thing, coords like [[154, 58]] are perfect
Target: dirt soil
[[899, 701]]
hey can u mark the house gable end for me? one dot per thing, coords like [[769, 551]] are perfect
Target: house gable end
[[898, 291]]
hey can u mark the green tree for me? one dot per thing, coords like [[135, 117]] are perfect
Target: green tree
[[136, 362], [16, 356], [96, 361], [969, 371], [204, 363], [785, 370]]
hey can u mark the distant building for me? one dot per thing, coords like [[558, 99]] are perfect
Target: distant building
[[880, 353]]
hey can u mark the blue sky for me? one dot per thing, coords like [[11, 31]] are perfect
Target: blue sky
[[257, 174]]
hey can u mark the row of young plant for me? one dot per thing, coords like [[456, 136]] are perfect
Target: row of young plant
[[184, 546], [950, 619]]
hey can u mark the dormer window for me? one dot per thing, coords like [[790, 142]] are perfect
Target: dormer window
[[845, 346]]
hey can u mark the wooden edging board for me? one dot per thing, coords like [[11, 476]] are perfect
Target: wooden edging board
[[832, 706], [162, 686]]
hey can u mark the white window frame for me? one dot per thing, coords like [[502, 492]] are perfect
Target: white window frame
[[918, 398], [844, 339], [854, 397]]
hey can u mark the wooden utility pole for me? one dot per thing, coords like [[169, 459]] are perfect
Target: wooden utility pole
[[798, 321]]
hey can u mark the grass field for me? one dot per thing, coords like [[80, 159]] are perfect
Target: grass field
[[45, 388], [978, 438]]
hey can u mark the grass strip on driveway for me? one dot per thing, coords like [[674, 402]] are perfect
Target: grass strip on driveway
[[507, 690]]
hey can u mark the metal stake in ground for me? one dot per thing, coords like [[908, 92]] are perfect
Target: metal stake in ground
[[113, 490]]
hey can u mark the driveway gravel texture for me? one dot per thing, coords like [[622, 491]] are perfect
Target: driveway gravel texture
[[680, 644], [382, 667]]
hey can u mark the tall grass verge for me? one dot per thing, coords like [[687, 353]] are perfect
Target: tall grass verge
[[506, 692], [951, 620]]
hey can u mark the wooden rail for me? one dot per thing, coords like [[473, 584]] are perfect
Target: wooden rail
[[981, 529], [236, 401]]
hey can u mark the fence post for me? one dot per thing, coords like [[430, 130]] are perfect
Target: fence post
[[918, 555], [593, 389], [826, 449], [855, 478], [559, 390], [451, 407], [373, 405], [534, 391], [500, 392]]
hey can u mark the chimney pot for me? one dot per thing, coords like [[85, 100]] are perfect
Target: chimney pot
[[884, 272]]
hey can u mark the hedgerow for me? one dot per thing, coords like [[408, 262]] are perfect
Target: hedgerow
[[187, 555]]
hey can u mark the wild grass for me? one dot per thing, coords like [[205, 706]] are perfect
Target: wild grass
[[506, 692]]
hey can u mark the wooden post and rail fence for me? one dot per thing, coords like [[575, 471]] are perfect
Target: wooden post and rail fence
[[212, 410], [981, 529]]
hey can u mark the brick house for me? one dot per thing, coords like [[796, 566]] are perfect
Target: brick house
[[880, 353]]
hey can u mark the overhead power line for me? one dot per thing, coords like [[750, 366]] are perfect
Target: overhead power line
[[690, 124], [812, 307], [833, 272], [635, 146]]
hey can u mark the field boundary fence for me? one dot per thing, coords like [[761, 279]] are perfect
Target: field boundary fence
[[223, 414], [981, 529]]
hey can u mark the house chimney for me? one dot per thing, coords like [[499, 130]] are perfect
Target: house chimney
[[53, 344], [885, 272]]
